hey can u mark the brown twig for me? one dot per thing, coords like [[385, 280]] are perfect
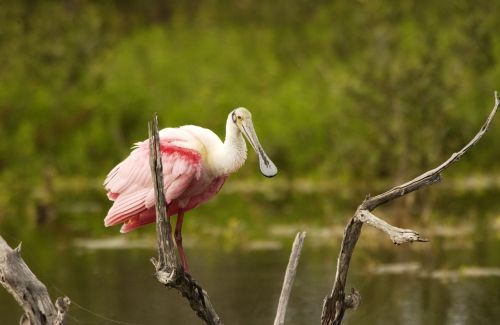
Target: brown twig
[[335, 305], [289, 277], [169, 270], [29, 292]]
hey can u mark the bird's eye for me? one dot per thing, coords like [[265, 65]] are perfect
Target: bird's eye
[[239, 117]]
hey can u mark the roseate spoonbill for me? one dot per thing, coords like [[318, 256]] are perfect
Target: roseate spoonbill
[[196, 164]]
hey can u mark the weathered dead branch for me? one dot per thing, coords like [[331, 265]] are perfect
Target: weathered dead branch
[[397, 235], [29, 292], [289, 277], [335, 305], [169, 270]]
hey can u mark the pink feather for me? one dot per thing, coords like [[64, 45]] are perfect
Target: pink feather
[[130, 186]]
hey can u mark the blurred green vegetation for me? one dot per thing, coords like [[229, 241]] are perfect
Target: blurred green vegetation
[[353, 92]]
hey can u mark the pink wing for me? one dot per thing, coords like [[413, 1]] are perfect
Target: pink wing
[[149, 215], [129, 184]]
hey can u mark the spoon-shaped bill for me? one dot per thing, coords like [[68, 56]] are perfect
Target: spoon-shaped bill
[[267, 167]]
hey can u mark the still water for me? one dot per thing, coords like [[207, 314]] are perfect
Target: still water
[[446, 281]]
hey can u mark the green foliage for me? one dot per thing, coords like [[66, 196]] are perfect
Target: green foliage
[[345, 91]]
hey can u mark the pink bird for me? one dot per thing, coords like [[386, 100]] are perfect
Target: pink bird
[[196, 164]]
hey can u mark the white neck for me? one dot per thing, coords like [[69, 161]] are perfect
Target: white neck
[[232, 154]]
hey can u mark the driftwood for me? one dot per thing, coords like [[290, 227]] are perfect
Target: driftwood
[[335, 304], [29, 292]]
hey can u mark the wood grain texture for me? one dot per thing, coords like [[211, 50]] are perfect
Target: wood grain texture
[[29, 292]]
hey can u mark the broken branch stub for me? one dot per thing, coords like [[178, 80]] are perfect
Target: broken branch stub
[[291, 270]]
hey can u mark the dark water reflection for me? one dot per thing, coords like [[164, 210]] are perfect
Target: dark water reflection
[[245, 284]]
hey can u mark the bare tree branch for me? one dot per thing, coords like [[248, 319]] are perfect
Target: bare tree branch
[[335, 305], [169, 270], [167, 258], [397, 235], [289, 277], [432, 176], [29, 292]]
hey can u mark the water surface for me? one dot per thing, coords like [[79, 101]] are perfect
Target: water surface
[[436, 283]]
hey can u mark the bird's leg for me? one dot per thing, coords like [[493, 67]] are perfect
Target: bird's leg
[[178, 239]]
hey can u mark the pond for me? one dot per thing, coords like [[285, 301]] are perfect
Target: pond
[[450, 280]]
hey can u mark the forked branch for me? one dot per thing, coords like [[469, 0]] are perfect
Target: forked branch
[[29, 292], [335, 304]]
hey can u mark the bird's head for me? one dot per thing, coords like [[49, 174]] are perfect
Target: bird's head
[[242, 118]]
